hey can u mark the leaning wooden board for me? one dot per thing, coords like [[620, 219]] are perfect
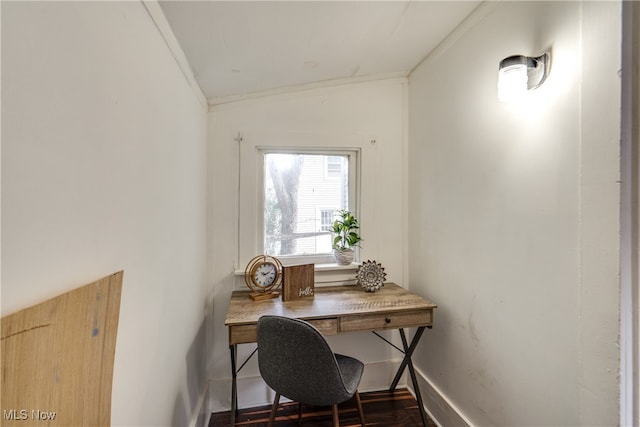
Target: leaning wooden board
[[57, 358]]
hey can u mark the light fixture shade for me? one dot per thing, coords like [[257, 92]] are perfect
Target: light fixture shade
[[512, 81], [518, 73]]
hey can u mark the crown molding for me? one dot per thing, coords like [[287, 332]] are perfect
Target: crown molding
[[159, 19], [284, 90]]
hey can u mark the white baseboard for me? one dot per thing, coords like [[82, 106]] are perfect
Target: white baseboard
[[201, 413], [253, 392], [439, 407]]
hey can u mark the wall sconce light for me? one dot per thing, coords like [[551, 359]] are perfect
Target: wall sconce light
[[517, 74]]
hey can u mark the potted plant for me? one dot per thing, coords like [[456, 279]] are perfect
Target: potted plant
[[346, 236]]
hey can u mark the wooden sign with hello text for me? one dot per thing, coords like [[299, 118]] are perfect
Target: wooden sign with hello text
[[298, 282]]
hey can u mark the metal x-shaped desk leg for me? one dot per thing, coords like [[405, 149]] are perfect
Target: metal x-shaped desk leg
[[233, 348], [234, 385], [408, 351]]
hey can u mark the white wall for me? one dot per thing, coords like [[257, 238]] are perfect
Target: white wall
[[104, 168], [348, 115], [513, 215]]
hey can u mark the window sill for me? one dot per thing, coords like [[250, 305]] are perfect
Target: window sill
[[322, 268], [336, 267]]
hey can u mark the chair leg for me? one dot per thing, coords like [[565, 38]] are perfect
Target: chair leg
[[274, 409], [360, 411], [336, 420], [299, 413]]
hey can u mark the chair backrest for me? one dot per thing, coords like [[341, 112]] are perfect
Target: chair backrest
[[296, 361]]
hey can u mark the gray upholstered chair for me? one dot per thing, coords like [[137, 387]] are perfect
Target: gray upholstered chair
[[297, 363]]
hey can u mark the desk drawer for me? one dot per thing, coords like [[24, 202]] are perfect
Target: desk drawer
[[371, 322], [326, 326], [242, 334]]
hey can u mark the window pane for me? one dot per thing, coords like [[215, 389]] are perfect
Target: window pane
[[334, 166], [326, 219], [300, 201]]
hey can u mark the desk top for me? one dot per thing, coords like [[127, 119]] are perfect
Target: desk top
[[328, 301]]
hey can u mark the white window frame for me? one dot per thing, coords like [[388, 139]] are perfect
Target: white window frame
[[353, 155]]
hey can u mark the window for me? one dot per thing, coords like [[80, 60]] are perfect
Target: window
[[302, 191], [326, 219], [335, 165]]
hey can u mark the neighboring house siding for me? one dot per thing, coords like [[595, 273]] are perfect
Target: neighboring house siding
[[317, 192]]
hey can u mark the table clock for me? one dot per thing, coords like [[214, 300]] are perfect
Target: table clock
[[263, 276]]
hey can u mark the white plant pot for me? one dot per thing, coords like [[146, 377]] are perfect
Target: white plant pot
[[344, 257]]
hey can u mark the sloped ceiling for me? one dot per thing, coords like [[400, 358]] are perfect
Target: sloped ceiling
[[241, 47]]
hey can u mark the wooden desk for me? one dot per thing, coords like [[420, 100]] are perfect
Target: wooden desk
[[335, 310]]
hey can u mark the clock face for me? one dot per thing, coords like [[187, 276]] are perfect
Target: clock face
[[265, 274]]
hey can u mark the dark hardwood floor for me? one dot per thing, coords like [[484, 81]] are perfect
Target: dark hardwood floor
[[381, 408]]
